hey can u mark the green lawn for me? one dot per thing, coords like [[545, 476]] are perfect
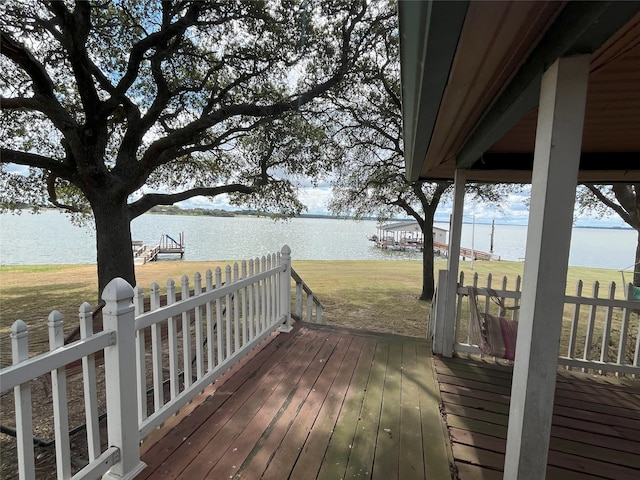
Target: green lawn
[[370, 295]]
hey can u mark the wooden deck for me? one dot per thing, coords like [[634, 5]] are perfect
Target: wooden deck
[[144, 253], [595, 431], [333, 403], [315, 403]]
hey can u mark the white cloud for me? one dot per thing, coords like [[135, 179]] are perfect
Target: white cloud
[[219, 202], [316, 199]]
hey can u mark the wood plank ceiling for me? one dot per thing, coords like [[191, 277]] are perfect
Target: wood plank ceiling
[[497, 43]]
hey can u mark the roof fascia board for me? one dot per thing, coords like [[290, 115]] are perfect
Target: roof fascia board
[[412, 22], [428, 41], [589, 161], [582, 27]]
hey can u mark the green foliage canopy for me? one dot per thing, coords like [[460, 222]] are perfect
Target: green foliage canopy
[[112, 108], [161, 101]]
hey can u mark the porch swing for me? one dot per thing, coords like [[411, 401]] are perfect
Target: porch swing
[[494, 335], [635, 291]]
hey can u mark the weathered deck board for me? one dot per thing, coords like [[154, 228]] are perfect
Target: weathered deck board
[[340, 443], [387, 455], [162, 444], [271, 421], [361, 454], [467, 470], [434, 449], [329, 403], [289, 450], [315, 403], [353, 373], [212, 415], [244, 427], [594, 432], [411, 468]]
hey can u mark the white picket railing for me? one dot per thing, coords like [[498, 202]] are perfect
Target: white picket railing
[[177, 349], [600, 332], [303, 290]]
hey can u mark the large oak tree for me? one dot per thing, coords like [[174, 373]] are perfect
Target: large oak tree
[[371, 177], [116, 107]]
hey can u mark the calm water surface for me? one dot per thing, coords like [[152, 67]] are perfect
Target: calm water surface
[[49, 238]]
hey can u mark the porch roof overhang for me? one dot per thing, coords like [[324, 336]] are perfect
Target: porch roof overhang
[[471, 76]]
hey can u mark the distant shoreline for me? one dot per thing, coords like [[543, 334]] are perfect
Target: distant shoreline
[[217, 212]]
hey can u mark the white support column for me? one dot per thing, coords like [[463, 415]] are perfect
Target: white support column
[[285, 291], [453, 263], [23, 409], [59, 397], [437, 317], [120, 380], [555, 171]]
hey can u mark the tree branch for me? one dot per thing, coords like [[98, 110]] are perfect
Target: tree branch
[[53, 195], [150, 200], [183, 136], [611, 204], [628, 199], [388, 88], [44, 100], [20, 103], [164, 35], [36, 161], [402, 203], [42, 84], [75, 27]]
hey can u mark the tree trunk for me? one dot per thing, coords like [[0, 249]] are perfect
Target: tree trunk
[[113, 242], [427, 261], [428, 264], [429, 208]]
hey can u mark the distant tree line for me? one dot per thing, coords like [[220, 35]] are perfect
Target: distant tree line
[[175, 210]]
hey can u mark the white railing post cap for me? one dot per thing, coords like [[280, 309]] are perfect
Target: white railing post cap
[[54, 318], [117, 290], [286, 250], [18, 329]]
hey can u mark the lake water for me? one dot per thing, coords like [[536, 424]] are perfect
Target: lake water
[[50, 238]]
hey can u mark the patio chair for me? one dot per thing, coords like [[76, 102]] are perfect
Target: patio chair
[[494, 335], [635, 291]]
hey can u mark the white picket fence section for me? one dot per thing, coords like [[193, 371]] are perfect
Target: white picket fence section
[[155, 361], [313, 307], [600, 331]]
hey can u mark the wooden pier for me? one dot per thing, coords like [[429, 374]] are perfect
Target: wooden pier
[[438, 248], [443, 249], [144, 253]]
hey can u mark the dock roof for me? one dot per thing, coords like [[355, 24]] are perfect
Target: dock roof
[[405, 227]]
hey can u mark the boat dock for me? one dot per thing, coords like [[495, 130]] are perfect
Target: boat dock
[[407, 236], [144, 253]]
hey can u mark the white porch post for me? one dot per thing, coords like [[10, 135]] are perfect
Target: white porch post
[[453, 262], [120, 380], [285, 291], [555, 171]]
